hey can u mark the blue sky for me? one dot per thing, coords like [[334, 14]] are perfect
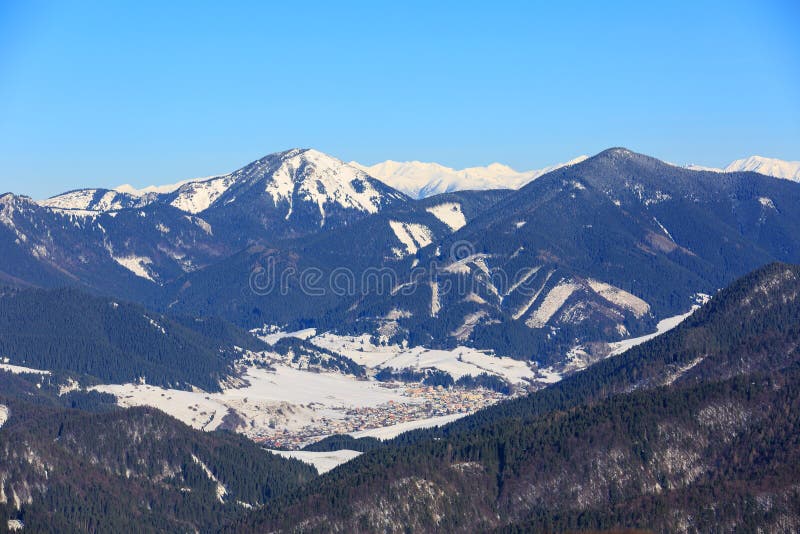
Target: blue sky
[[99, 94]]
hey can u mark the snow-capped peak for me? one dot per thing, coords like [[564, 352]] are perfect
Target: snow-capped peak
[[419, 179], [789, 170], [312, 175], [291, 177]]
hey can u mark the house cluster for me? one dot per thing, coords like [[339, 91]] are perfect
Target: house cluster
[[423, 402]]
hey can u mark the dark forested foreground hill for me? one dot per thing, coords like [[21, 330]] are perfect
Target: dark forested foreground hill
[[697, 430], [69, 331], [124, 470]]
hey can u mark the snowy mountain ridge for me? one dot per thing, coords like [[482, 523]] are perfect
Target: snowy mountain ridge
[[777, 168], [789, 170], [421, 180], [288, 178], [319, 178]]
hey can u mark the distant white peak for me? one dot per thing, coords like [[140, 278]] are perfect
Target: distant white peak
[[693, 167], [789, 170], [420, 179], [158, 189]]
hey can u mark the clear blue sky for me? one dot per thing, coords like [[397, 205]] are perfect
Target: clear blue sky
[[103, 93]]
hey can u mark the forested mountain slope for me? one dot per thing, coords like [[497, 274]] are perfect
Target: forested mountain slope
[[593, 253], [127, 470], [265, 284], [66, 330], [693, 430]]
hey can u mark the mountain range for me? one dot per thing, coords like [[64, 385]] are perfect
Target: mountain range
[[585, 256], [419, 180], [111, 298]]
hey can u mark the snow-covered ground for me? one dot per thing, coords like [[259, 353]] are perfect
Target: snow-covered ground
[[578, 359], [80, 200], [551, 304], [220, 488], [273, 335], [3, 414], [620, 297], [138, 265], [449, 213], [665, 325], [322, 461], [18, 369], [194, 197], [392, 431], [286, 399], [458, 362], [413, 236], [197, 409]]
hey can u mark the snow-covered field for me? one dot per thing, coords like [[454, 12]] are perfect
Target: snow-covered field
[[197, 409], [458, 362], [284, 399], [275, 335], [322, 461]]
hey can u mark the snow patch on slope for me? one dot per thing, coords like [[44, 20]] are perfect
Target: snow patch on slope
[[436, 303], [18, 369], [525, 307], [663, 325], [389, 432], [450, 214], [412, 235], [766, 202], [221, 491], [522, 279], [551, 304], [322, 461], [3, 414], [138, 265], [620, 297]]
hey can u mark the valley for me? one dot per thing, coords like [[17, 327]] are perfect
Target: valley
[[327, 320], [399, 267]]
